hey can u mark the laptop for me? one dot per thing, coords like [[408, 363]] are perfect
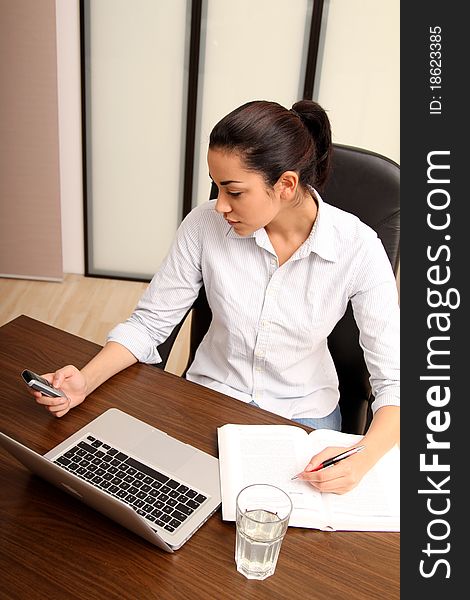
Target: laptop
[[149, 482]]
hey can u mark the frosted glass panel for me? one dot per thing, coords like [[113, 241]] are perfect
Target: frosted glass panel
[[136, 106], [358, 73], [250, 50]]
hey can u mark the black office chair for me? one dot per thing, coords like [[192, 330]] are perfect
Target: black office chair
[[368, 185]]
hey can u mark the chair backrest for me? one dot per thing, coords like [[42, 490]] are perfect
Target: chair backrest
[[367, 185]]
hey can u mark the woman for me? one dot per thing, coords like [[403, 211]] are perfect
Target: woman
[[279, 267]]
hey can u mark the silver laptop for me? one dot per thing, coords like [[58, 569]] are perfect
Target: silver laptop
[[139, 476]]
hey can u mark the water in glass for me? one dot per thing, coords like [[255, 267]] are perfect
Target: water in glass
[[258, 541]]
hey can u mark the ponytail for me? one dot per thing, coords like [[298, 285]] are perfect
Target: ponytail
[[316, 120]]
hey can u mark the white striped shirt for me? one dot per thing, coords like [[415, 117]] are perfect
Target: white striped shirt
[[268, 338]]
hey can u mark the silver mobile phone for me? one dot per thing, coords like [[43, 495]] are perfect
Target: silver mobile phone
[[40, 384]]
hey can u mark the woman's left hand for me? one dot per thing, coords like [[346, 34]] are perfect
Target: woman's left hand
[[341, 477]]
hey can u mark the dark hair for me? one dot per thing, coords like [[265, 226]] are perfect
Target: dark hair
[[271, 139]]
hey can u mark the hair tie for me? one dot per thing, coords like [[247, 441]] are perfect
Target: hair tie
[[296, 113]]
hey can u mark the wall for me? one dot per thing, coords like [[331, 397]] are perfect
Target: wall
[[30, 217], [70, 134], [136, 87], [359, 73], [360, 87]]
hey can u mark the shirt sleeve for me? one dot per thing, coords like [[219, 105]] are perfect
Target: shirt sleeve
[[376, 310], [169, 296]]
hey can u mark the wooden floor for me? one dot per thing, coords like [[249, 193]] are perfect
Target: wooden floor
[[86, 306]]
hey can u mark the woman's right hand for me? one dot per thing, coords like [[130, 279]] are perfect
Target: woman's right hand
[[72, 382]]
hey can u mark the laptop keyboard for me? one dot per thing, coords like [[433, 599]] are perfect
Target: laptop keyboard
[[162, 500]]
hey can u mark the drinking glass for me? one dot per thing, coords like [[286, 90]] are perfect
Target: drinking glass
[[263, 513]]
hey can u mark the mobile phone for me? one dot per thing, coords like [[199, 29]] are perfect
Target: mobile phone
[[40, 384]]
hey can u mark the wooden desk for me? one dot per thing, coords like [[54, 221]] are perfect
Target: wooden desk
[[52, 546]]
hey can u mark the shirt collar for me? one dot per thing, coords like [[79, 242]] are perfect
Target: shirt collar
[[233, 234], [321, 238], [260, 236]]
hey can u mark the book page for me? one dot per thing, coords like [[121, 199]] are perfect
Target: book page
[[267, 454], [374, 504]]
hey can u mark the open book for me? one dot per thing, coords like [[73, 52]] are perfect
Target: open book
[[275, 453]]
